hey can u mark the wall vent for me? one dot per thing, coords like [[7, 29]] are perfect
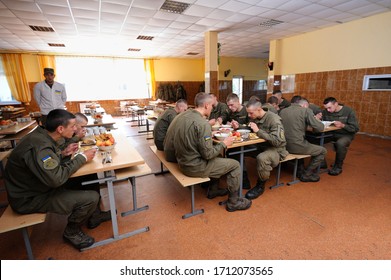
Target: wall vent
[[377, 82], [41, 28]]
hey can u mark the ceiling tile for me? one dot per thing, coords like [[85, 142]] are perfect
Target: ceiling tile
[[198, 11]]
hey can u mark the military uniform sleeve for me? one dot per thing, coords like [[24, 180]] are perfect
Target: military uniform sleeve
[[64, 94], [276, 135], [205, 142], [351, 124], [46, 164], [313, 122]]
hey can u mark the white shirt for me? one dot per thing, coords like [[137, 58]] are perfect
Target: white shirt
[[50, 98]]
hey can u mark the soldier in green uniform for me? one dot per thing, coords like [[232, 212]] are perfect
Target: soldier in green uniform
[[219, 112], [189, 137], [344, 117], [237, 112], [282, 102], [69, 144], [296, 118], [37, 179], [268, 126], [164, 120], [238, 118], [271, 105]]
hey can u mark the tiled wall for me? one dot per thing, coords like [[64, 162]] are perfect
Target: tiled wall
[[373, 108]]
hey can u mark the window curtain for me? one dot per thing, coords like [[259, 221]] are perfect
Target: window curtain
[[46, 61], [16, 77], [150, 69]]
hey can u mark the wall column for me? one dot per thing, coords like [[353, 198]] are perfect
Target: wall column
[[211, 64], [274, 76]]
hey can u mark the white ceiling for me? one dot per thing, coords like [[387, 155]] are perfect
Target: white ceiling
[[110, 27]]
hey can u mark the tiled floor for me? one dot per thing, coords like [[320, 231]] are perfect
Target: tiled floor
[[343, 217]]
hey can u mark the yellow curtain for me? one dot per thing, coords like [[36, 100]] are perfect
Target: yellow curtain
[[46, 61], [16, 77], [150, 68]]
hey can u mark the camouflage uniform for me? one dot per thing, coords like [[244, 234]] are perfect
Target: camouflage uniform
[[161, 126], [241, 117], [295, 120], [189, 138], [220, 111], [342, 137], [273, 150], [36, 180]]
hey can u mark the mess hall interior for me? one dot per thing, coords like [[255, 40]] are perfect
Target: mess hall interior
[[124, 62]]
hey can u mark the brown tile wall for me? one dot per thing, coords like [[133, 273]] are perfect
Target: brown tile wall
[[373, 108]]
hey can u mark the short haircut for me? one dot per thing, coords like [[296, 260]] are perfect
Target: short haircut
[[254, 97], [272, 100], [201, 98], [232, 96], [296, 99], [254, 103], [302, 101], [58, 117], [329, 99], [81, 117], [181, 101]]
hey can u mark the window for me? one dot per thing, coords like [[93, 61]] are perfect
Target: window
[[95, 78], [237, 86], [6, 97], [287, 83], [377, 82]]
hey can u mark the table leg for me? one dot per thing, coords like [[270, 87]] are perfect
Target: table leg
[[135, 209]]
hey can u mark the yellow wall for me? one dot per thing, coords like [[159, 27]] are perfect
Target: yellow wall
[[250, 68], [363, 43], [175, 69]]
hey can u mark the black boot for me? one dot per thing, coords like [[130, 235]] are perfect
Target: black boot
[[246, 182], [257, 190], [336, 169], [309, 176], [98, 217], [74, 235], [235, 203], [214, 189]]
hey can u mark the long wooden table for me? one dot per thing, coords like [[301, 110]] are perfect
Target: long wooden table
[[17, 132], [127, 162], [107, 121]]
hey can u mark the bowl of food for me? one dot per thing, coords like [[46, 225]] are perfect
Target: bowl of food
[[106, 148], [221, 136], [226, 129], [226, 126], [244, 133]]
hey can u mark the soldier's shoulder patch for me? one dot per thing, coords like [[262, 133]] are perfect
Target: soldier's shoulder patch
[[49, 163], [206, 138]]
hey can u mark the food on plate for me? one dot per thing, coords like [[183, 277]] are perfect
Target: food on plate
[[221, 136], [6, 123], [237, 135], [253, 136], [104, 139], [88, 141]]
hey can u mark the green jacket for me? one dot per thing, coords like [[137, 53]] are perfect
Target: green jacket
[[270, 108], [162, 124], [271, 129], [35, 167], [220, 111], [189, 137], [296, 119], [347, 116], [241, 117]]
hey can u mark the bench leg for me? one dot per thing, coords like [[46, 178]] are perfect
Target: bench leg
[[135, 209], [193, 211], [162, 171], [294, 180], [27, 243], [278, 184]]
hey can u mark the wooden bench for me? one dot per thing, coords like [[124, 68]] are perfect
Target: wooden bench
[[130, 174], [12, 221], [289, 157], [3, 160], [184, 180]]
